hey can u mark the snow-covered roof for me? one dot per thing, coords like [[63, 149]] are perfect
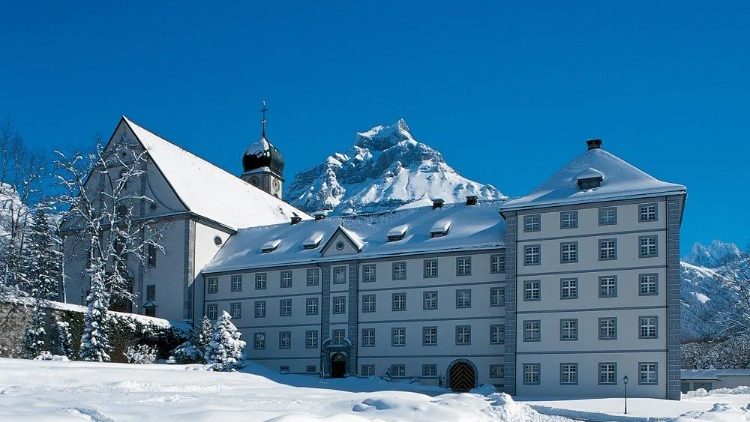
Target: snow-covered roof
[[271, 245], [473, 227], [398, 231], [210, 191], [441, 227], [620, 180], [712, 374]]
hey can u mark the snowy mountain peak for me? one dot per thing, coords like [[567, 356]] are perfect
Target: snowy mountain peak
[[714, 255], [385, 169]]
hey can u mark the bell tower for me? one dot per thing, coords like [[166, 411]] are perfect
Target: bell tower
[[263, 163]]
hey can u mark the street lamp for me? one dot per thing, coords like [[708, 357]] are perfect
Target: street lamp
[[625, 381]]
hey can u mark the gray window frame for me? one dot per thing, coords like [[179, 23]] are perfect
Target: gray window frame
[[461, 303], [500, 295], [465, 263], [212, 285], [235, 310], [339, 269], [562, 254], [529, 225], [236, 283], [311, 339], [499, 373], [426, 270], [572, 364], [335, 335], [526, 285], [656, 373], [288, 283], [574, 220], [526, 331], [575, 328], [424, 335], [424, 300], [526, 255], [369, 273], [656, 246], [340, 303], [308, 302], [607, 258], [150, 292], [462, 327], [282, 345], [312, 278], [367, 370], [599, 286], [311, 369], [497, 263], [401, 373], [212, 308], [394, 333], [256, 336], [394, 265], [656, 284], [601, 216], [563, 288], [365, 307], [261, 281], [599, 373], [501, 333], [257, 308], [599, 328], [640, 326], [393, 301], [285, 304], [641, 212], [526, 368], [424, 370], [368, 334]]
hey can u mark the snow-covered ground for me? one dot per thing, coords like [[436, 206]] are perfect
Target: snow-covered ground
[[103, 392]]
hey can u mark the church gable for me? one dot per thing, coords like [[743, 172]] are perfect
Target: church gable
[[342, 242]]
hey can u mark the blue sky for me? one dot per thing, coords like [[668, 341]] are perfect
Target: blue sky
[[507, 91]]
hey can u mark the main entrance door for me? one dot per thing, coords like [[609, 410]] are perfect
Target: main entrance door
[[462, 376], [338, 365]]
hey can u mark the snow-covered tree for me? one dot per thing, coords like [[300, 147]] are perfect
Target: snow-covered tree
[[141, 354], [43, 258], [64, 339], [95, 340], [194, 349], [225, 349], [35, 334]]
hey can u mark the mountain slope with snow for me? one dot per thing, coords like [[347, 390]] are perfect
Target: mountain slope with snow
[[385, 169]]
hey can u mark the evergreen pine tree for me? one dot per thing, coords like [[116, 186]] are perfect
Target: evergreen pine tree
[[194, 349], [95, 341], [64, 339], [225, 348], [34, 343]]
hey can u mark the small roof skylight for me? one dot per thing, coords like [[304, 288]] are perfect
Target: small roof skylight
[[440, 228], [397, 233], [589, 179], [313, 241], [270, 246]]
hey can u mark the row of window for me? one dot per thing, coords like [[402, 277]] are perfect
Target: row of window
[[647, 248], [429, 370], [369, 303], [607, 329], [607, 217], [430, 270], [648, 285], [607, 373]]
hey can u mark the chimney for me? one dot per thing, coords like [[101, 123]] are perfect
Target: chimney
[[319, 216], [296, 219], [471, 200], [437, 203], [594, 144]]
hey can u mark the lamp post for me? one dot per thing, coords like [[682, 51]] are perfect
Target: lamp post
[[625, 381]]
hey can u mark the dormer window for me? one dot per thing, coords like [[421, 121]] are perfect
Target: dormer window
[[440, 228], [590, 179], [313, 241], [270, 246], [397, 233]]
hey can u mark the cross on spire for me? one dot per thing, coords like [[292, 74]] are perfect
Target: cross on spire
[[263, 110]]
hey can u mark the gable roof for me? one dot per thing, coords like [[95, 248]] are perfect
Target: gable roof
[[350, 236], [210, 191], [620, 180], [473, 227]]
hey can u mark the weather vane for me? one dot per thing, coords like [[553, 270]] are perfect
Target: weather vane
[[263, 110]]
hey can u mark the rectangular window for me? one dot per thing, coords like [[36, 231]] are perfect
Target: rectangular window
[[339, 304], [607, 216], [532, 223], [399, 271], [260, 309], [398, 337], [497, 333], [311, 339], [569, 288], [532, 255], [568, 373], [647, 212], [285, 339], [568, 329], [285, 307], [368, 303], [235, 310], [532, 330], [398, 302], [430, 268], [647, 327], [213, 285], [429, 336], [648, 284], [607, 373], [339, 275], [284, 369], [647, 373], [648, 246], [463, 298], [429, 370], [569, 219], [398, 370], [261, 281], [259, 341], [212, 311], [463, 265], [430, 300], [367, 370], [311, 369], [608, 328], [608, 286], [286, 279], [497, 296], [368, 337], [236, 283], [338, 335], [607, 249], [568, 252], [463, 335], [368, 273], [312, 306], [151, 292], [313, 277], [531, 373], [532, 290], [497, 371], [497, 263], [151, 258]]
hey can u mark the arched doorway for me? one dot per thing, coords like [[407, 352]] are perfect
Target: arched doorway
[[338, 365], [462, 375]]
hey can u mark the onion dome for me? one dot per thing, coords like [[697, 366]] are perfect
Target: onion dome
[[262, 153]]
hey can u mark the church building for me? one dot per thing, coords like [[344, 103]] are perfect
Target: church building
[[571, 290]]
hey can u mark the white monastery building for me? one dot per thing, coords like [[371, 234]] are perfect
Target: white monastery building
[[567, 291]]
